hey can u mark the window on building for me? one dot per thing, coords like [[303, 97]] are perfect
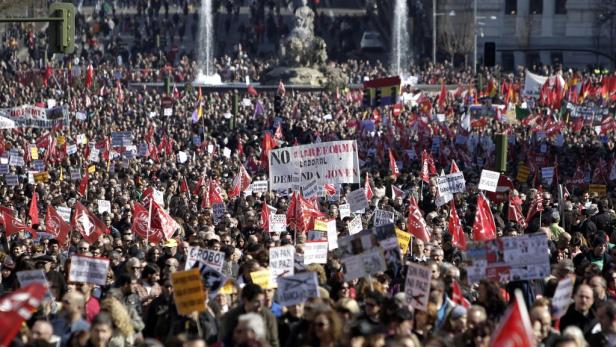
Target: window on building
[[511, 7], [560, 7], [508, 61], [535, 7], [556, 58], [532, 59]]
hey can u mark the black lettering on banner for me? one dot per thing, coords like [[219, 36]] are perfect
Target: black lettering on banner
[[281, 158]]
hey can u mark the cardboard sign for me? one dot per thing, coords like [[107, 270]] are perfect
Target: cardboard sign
[[382, 217], [326, 162], [94, 155], [65, 213], [263, 278], [218, 211], [4, 169], [75, 174], [38, 165], [404, 239], [361, 255], [277, 223], [562, 298], [34, 153], [387, 239], [452, 183], [523, 172], [213, 280], [16, 160], [488, 180], [296, 289], [41, 177], [188, 291], [332, 234], [417, 286], [600, 189], [211, 258], [344, 210], [355, 225], [442, 199], [547, 174], [315, 252], [88, 270], [357, 200], [104, 206], [31, 276], [281, 261]]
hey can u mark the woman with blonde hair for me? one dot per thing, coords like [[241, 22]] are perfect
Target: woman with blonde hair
[[123, 331]]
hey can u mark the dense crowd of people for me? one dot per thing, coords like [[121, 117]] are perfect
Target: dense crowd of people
[[190, 148]]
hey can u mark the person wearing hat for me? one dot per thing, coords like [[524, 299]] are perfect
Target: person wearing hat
[[56, 279], [170, 250], [555, 229]]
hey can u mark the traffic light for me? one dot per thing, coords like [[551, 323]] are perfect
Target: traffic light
[[366, 101], [502, 143], [61, 33], [377, 97], [278, 104]]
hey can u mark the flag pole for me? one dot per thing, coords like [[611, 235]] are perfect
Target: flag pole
[[147, 234]]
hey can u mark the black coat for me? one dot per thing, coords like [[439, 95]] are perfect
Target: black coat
[[573, 317]]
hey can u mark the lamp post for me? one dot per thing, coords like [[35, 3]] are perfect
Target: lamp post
[[434, 15]]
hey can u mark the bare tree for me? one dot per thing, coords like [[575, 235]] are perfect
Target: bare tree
[[456, 32], [605, 21]]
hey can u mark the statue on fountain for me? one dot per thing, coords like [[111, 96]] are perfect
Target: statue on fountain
[[302, 48]]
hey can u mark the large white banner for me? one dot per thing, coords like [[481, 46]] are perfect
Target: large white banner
[[533, 84], [326, 162]]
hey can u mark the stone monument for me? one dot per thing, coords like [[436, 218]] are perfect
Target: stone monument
[[303, 55]]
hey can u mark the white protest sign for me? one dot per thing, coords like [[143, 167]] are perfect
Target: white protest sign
[[88, 270], [277, 223], [65, 213], [332, 234], [533, 84], [258, 186], [182, 157], [16, 160], [159, 197], [211, 258], [167, 112], [382, 217], [417, 286], [310, 189], [452, 183], [315, 252], [281, 261], [357, 200], [442, 199], [562, 298], [94, 155], [344, 210], [489, 180], [293, 290], [31, 276], [226, 152], [104, 206], [326, 162], [71, 149], [355, 225], [218, 210]]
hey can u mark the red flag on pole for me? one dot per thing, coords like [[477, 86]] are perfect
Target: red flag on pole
[[162, 221], [454, 167], [83, 185], [266, 146], [393, 167], [535, 206], [458, 238], [484, 227], [33, 212], [241, 182], [86, 223], [442, 98], [514, 212], [514, 329], [215, 193], [17, 307], [252, 91], [427, 166], [368, 189], [416, 223], [13, 225], [457, 295], [396, 192], [55, 225]]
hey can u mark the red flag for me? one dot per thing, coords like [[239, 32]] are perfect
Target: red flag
[[240, 147], [265, 217], [198, 185], [368, 189], [484, 227], [393, 167], [442, 98], [89, 76], [454, 167], [396, 192], [86, 223], [535, 206], [241, 182], [252, 91], [17, 307], [301, 213], [416, 223], [266, 146], [457, 295], [514, 212], [140, 222], [83, 185], [215, 193], [278, 134], [330, 189], [176, 92], [427, 166], [13, 225], [33, 212], [458, 239], [162, 221], [184, 187], [514, 329], [55, 225]]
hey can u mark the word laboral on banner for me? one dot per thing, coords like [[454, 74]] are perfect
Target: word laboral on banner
[[325, 162], [417, 287], [213, 259], [296, 289], [452, 183], [88, 270], [281, 261]]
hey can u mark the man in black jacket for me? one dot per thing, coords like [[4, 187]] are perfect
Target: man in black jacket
[[580, 313], [607, 318]]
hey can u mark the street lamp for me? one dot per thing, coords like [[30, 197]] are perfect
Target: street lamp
[[434, 14], [475, 23]]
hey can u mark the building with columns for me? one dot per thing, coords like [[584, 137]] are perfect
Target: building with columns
[[577, 33]]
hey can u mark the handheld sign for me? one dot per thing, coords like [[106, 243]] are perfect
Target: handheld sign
[[188, 291], [489, 180], [293, 290], [211, 258], [417, 287], [88, 270]]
